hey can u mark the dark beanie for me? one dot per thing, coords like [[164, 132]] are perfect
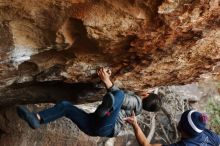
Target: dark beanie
[[193, 122]]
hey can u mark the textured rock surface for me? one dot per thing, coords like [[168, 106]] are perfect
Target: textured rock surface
[[154, 42], [146, 43]]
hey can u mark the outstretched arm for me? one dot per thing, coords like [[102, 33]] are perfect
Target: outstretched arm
[[141, 138], [104, 74]]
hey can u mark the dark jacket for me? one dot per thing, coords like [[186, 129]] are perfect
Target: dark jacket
[[206, 138]]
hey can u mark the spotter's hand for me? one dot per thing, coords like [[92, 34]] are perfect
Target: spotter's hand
[[132, 120]]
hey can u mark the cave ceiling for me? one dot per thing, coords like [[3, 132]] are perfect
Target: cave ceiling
[[146, 43]]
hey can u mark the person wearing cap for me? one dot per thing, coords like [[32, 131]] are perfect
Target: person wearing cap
[[107, 120], [192, 127]]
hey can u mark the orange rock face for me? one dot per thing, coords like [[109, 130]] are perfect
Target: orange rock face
[[145, 43]]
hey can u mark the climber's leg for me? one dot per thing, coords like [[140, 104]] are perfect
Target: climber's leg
[[106, 124], [29, 117], [82, 119], [106, 106]]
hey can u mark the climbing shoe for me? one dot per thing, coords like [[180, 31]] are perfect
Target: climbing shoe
[[28, 116], [106, 107]]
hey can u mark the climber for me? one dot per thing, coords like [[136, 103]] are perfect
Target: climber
[[192, 127], [107, 120]]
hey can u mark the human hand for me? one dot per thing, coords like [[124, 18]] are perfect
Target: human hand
[[104, 74], [132, 120]]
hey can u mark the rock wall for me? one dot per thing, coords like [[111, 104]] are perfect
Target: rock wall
[[145, 43], [154, 42]]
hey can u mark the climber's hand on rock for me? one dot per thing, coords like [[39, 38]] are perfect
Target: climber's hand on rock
[[104, 74]]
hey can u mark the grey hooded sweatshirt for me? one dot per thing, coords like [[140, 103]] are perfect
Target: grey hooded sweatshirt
[[131, 102]]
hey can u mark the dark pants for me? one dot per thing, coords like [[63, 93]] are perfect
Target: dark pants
[[90, 123]]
